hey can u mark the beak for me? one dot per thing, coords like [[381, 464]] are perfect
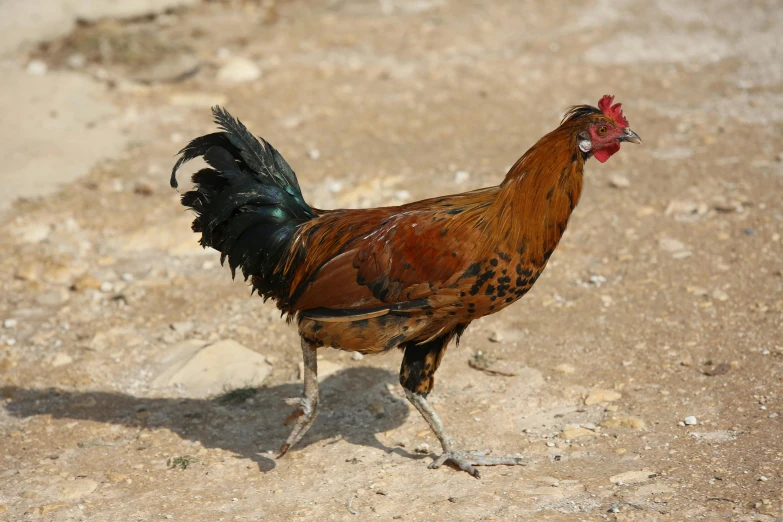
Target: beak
[[630, 136]]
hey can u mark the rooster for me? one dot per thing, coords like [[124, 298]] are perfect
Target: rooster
[[411, 277]]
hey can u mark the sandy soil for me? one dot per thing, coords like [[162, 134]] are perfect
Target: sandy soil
[[663, 302]]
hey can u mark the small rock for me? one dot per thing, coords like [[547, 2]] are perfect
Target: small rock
[[56, 297], [200, 371], [314, 154], [685, 208], [720, 295], [76, 61], [670, 244], [598, 396], [356, 356], [71, 490], [37, 68], [565, 368], [168, 68], [86, 282], [496, 337], [575, 433], [10, 323], [182, 327], [461, 176], [106, 287], [377, 409], [625, 421], [28, 272], [654, 490], [238, 70], [618, 181], [61, 359], [423, 448], [690, 420], [33, 233], [762, 478], [402, 195], [716, 436], [51, 508], [631, 477]]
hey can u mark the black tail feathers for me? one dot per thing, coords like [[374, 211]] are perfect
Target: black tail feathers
[[248, 205]]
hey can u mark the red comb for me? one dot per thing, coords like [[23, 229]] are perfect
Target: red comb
[[612, 111]]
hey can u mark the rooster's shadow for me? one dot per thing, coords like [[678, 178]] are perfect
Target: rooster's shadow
[[355, 406]]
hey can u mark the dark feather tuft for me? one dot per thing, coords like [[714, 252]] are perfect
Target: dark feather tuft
[[248, 205], [579, 111]]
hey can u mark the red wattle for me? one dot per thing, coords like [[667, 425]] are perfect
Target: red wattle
[[604, 154]]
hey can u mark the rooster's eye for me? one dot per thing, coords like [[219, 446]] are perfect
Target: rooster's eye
[[601, 130]]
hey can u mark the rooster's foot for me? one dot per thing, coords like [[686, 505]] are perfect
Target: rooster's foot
[[304, 416], [467, 461]]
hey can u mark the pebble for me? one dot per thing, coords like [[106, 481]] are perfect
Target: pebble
[[356, 356], [565, 368], [86, 282], [670, 244], [10, 323], [720, 295], [631, 477], [461, 176], [182, 327], [402, 195], [618, 181], [37, 68], [56, 297], [238, 70], [314, 154], [575, 433], [61, 359], [690, 420], [77, 61], [28, 272], [422, 448], [762, 478], [625, 421], [106, 287], [599, 395], [33, 233], [684, 208], [377, 409], [71, 490], [200, 371], [496, 337]]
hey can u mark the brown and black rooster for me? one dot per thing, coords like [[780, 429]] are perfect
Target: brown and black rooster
[[411, 277]]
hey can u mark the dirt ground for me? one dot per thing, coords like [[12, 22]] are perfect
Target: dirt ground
[[664, 302]]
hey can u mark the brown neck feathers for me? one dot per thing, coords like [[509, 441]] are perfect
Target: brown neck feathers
[[538, 195]]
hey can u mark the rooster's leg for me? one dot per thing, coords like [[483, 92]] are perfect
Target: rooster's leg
[[307, 409], [417, 377]]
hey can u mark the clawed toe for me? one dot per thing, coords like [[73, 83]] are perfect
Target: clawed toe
[[304, 415], [467, 461]]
